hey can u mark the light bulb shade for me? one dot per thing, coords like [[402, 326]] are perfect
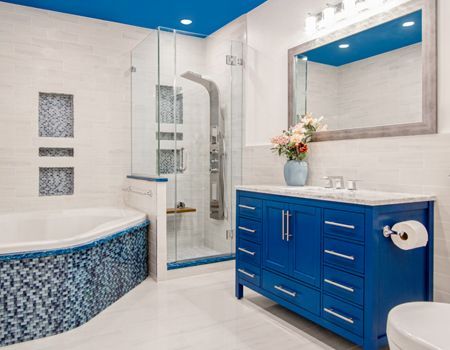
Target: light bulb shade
[[372, 4], [349, 6], [329, 16], [311, 24]]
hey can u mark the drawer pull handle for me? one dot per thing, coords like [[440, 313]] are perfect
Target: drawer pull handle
[[331, 223], [246, 251], [335, 314], [246, 207], [348, 289], [339, 255], [248, 274], [246, 229], [282, 290]]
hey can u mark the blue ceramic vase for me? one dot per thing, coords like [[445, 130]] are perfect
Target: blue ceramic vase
[[295, 173]]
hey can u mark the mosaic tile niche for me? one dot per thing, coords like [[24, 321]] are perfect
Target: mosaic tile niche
[[55, 115], [167, 102], [47, 293], [55, 152], [167, 161], [56, 181]]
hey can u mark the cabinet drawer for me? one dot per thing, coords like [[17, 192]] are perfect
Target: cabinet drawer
[[344, 224], [294, 292], [250, 207], [344, 285], [249, 273], [249, 229], [344, 315], [248, 252], [346, 255]]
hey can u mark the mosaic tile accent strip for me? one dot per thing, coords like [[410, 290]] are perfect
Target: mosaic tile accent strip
[[167, 161], [201, 261], [56, 181], [169, 136], [55, 152], [48, 295], [55, 115], [167, 105]]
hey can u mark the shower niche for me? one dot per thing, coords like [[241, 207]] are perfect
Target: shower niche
[[187, 125]]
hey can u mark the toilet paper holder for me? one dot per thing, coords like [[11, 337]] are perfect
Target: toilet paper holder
[[388, 232]]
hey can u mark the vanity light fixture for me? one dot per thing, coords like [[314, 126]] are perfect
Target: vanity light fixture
[[339, 11], [328, 16], [349, 7], [409, 24], [186, 22], [373, 4], [344, 46], [311, 24]]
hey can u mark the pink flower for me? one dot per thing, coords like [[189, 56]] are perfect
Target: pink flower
[[280, 140]]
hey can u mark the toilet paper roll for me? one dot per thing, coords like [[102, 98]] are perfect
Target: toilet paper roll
[[417, 235]]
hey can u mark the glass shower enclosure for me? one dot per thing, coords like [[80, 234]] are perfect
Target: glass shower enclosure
[[187, 100]]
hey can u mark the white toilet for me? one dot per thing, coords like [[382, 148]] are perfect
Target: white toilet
[[419, 326]]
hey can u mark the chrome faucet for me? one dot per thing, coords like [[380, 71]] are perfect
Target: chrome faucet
[[337, 182]]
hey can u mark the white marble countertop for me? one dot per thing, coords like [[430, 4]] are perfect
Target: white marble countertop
[[362, 197]]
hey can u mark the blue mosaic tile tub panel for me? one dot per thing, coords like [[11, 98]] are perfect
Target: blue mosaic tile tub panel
[[55, 115], [46, 293]]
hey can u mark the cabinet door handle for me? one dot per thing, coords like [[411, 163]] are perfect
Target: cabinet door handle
[[246, 229], [337, 224], [248, 274], [246, 251], [288, 233], [339, 255], [246, 207], [333, 283], [335, 314], [285, 291], [282, 224]]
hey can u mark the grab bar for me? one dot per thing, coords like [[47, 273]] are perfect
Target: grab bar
[[130, 189]]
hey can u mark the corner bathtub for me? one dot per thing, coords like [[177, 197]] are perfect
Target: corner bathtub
[[58, 269]]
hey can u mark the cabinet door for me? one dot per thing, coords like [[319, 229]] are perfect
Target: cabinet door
[[275, 245], [304, 242]]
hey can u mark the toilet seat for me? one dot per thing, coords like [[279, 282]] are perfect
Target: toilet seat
[[420, 326]]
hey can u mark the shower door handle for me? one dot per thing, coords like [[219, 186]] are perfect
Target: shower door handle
[[183, 160]]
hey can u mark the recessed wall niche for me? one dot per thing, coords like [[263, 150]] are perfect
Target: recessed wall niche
[[56, 181], [55, 115], [167, 104], [55, 152]]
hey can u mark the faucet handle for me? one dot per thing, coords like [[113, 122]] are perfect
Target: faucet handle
[[329, 182], [352, 185]]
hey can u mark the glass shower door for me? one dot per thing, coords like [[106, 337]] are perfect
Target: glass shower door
[[200, 136]]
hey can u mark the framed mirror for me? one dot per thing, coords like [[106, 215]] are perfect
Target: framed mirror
[[375, 78]]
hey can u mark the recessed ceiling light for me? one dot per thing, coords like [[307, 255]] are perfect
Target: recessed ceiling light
[[409, 24], [344, 46], [186, 22]]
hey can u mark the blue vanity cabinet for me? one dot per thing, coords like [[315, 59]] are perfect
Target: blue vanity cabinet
[[329, 261]]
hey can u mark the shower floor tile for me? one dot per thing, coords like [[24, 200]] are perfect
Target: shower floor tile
[[193, 313]]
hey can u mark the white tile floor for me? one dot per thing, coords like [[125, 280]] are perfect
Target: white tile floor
[[198, 312]]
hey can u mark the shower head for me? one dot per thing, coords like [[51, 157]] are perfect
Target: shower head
[[199, 79]]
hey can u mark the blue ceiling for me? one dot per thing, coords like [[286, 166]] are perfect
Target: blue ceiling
[[374, 41], [207, 15]]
